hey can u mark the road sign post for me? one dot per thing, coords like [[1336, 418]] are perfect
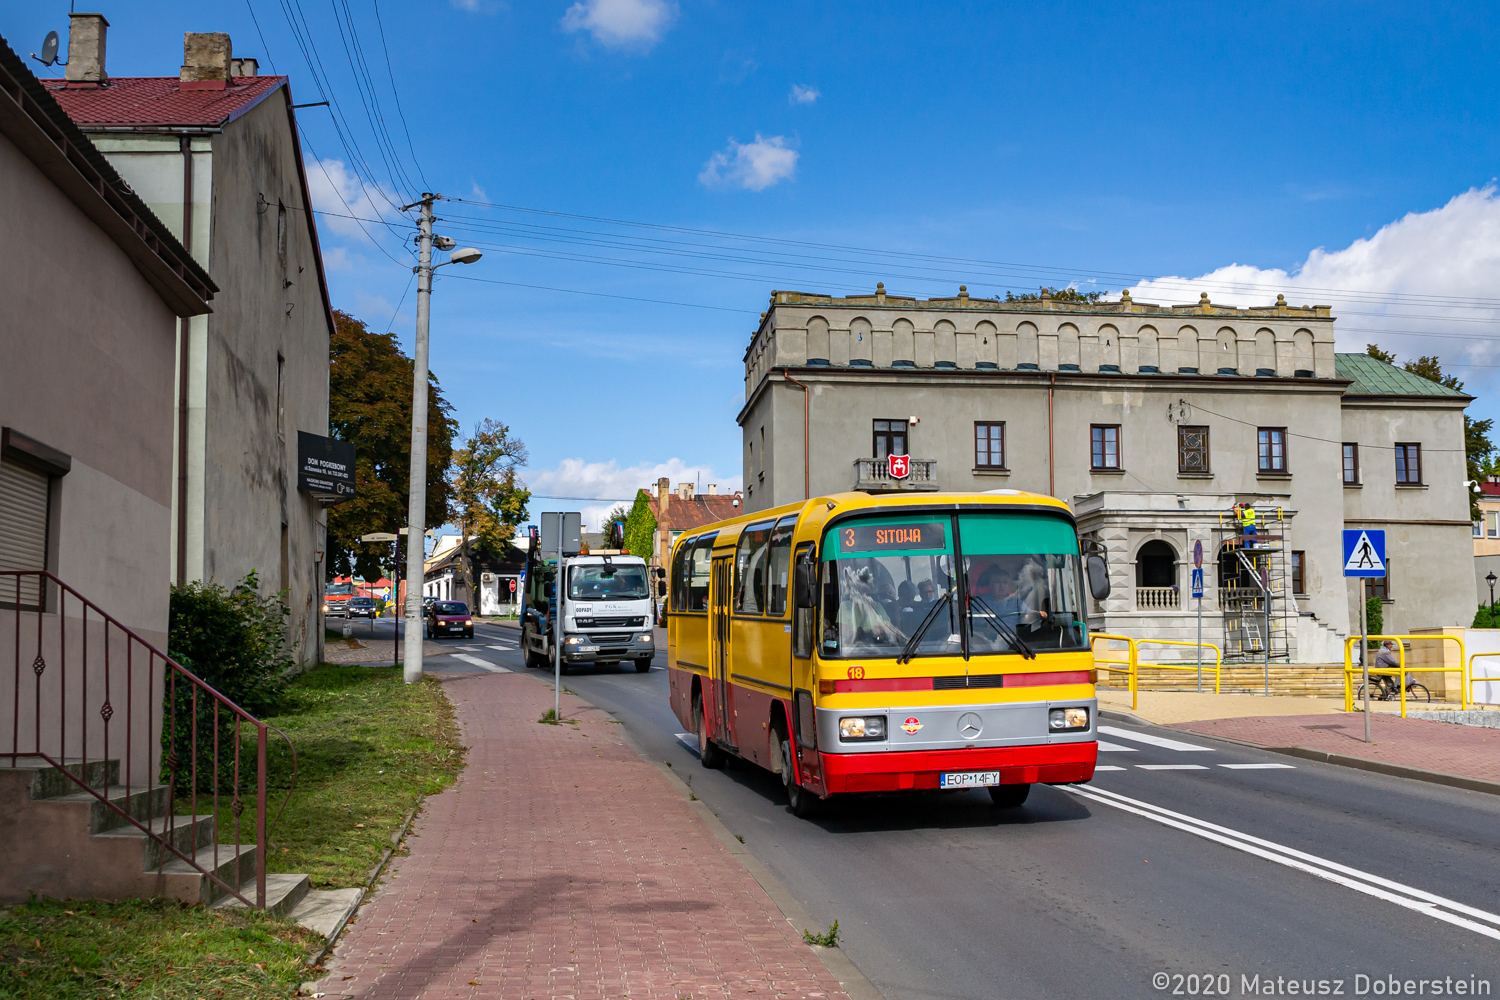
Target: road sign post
[[1198, 596], [563, 534], [1364, 557]]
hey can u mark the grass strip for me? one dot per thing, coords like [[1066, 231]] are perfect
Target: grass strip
[[139, 949], [368, 747]]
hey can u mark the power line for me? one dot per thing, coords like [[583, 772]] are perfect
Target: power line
[[263, 46], [397, 95]]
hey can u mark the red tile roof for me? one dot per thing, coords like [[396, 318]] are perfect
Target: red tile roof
[[705, 508], [1489, 489], [160, 101]]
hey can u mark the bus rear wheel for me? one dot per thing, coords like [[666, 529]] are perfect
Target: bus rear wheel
[[1009, 796], [709, 754], [799, 799]]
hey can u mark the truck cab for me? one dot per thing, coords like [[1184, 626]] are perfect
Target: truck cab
[[606, 612]]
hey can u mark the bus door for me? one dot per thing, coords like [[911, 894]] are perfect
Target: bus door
[[719, 604]]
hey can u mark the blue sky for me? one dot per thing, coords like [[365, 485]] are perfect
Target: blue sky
[[1151, 140]]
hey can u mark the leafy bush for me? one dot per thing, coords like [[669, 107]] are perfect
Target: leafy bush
[[235, 640], [1482, 617], [1375, 618]]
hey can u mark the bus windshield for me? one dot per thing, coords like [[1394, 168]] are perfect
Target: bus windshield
[[608, 583], [889, 579]]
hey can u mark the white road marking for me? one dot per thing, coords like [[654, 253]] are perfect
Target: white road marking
[[1156, 741], [1106, 747], [503, 649], [1172, 767], [1107, 767], [481, 664], [1259, 767], [1417, 900]]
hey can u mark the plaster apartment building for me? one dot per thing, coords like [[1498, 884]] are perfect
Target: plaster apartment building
[[213, 150], [86, 372], [1152, 422]]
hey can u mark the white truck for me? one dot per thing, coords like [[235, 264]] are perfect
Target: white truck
[[606, 612]]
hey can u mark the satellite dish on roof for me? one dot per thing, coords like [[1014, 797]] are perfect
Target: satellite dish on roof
[[49, 50]]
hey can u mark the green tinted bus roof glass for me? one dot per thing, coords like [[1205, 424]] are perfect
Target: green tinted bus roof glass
[[888, 536], [1016, 534]]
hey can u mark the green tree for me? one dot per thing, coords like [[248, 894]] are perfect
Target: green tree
[[488, 498], [619, 515], [1478, 448], [1057, 295], [369, 403], [640, 526]]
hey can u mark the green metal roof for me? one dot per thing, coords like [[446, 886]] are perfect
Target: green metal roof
[[1372, 377]]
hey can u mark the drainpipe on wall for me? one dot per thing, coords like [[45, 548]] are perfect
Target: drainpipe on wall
[[806, 460], [1051, 475], [182, 375]]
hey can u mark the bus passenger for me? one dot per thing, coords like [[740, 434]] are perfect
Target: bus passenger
[[861, 617]]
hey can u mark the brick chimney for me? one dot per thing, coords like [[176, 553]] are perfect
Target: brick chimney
[[713, 489], [206, 58], [86, 50], [663, 497], [248, 66]]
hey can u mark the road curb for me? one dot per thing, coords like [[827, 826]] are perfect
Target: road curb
[[835, 960], [1328, 757]]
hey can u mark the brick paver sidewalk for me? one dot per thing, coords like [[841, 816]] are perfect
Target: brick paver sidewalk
[[563, 865], [1466, 751]]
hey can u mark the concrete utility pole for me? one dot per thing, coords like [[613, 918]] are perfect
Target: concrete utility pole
[[416, 510]]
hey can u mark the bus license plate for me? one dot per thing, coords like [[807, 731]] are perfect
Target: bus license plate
[[969, 779]]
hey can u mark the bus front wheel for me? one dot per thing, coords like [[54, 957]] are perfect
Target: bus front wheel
[[709, 754], [798, 798], [1009, 796]]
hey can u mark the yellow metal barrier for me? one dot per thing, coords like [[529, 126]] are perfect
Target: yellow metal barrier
[[1132, 664], [1471, 680], [1402, 670]]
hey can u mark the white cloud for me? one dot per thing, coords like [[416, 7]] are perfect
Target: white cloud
[[480, 192], [804, 95], [1424, 284], [336, 189], [621, 24], [574, 477], [753, 166]]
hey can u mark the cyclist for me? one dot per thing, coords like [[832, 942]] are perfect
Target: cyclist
[[1389, 659]]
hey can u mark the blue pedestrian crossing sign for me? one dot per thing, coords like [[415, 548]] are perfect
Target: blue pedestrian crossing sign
[[1198, 583], [1364, 552]]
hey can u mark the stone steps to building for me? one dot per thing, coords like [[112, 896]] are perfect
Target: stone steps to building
[[284, 893], [1310, 680]]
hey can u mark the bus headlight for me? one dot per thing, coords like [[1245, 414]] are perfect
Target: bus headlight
[[1067, 720], [862, 727]]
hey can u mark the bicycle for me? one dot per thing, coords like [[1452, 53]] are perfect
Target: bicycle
[[1383, 688]]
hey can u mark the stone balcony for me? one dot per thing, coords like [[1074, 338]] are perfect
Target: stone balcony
[[872, 475]]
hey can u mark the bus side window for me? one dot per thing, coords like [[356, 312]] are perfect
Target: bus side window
[[804, 612], [679, 601], [780, 565]]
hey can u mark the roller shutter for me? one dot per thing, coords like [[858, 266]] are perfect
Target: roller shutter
[[23, 528]]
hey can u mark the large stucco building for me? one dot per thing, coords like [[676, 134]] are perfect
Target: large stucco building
[[1152, 422], [214, 151]]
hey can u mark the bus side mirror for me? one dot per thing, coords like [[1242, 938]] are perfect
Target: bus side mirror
[[661, 588], [805, 584], [1098, 571]]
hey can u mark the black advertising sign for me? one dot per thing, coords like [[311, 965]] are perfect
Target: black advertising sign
[[325, 468]]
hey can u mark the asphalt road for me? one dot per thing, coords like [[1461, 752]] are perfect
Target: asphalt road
[[1189, 858]]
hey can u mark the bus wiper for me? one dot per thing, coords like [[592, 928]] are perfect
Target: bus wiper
[[916, 637], [1002, 627]]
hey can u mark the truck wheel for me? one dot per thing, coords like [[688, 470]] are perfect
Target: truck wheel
[[1009, 796], [709, 754], [799, 799], [533, 660], [642, 666]]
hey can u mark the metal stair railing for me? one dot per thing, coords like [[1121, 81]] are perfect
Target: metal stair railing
[[98, 649]]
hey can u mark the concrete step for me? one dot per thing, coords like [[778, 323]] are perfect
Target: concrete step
[[327, 910], [284, 894], [234, 867], [41, 780], [189, 834], [139, 802]]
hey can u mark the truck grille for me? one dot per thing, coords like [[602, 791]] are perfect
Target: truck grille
[[611, 638], [636, 622]]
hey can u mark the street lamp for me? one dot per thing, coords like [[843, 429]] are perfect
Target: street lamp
[[416, 511], [1490, 579]]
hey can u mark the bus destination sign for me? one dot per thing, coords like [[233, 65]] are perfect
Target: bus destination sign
[[892, 537]]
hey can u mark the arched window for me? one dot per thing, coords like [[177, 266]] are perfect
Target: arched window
[[1156, 565]]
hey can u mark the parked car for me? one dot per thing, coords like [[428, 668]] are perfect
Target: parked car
[[363, 607], [449, 618]]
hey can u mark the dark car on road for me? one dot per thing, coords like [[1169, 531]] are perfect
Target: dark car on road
[[363, 607], [449, 618]]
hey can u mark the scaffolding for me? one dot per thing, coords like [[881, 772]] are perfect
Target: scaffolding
[[1254, 599]]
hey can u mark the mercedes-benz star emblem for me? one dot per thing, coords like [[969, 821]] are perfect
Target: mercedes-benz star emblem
[[970, 725]]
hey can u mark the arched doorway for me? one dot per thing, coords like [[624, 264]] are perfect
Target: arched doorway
[[1156, 575]]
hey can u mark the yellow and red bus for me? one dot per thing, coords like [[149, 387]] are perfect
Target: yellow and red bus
[[856, 643]]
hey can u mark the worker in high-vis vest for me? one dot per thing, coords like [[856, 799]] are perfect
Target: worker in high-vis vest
[[1247, 519]]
